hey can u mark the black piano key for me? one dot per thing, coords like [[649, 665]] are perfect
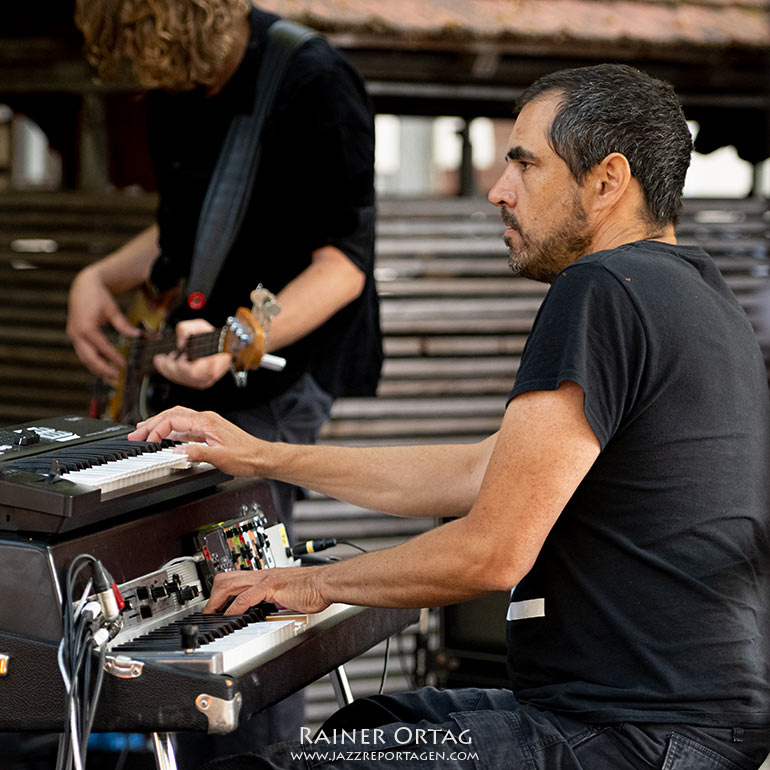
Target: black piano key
[[127, 448], [148, 644], [211, 626]]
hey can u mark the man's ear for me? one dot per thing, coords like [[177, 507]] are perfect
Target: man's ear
[[610, 180]]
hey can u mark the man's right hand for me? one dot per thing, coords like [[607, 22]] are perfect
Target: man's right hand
[[218, 441], [90, 306]]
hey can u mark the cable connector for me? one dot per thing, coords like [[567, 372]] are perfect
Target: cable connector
[[106, 591], [100, 637], [312, 546], [91, 611]]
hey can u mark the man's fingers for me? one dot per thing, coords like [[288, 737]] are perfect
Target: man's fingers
[[196, 452], [178, 420], [186, 329], [245, 587], [104, 361], [120, 323], [200, 374]]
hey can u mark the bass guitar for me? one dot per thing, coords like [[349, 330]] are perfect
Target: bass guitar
[[243, 336]]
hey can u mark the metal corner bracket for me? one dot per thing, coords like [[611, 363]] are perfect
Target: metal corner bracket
[[221, 714], [124, 667]]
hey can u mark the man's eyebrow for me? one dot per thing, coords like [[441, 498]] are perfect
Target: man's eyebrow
[[519, 153]]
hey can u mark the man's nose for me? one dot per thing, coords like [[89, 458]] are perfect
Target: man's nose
[[501, 193]]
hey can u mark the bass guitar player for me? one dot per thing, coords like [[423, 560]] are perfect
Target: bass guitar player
[[307, 234]]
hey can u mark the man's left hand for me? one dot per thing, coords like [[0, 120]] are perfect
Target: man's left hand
[[200, 373], [290, 587]]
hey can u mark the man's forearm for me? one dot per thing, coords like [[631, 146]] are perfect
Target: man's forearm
[[433, 481], [131, 264], [442, 566], [430, 481]]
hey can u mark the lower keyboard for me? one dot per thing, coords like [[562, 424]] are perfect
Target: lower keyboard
[[225, 643]]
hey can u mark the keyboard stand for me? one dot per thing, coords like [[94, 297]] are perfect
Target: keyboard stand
[[163, 744], [341, 686], [163, 748]]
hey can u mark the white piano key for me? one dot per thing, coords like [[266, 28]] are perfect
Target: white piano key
[[246, 644]]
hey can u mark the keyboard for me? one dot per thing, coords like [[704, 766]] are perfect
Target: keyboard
[[62, 473]]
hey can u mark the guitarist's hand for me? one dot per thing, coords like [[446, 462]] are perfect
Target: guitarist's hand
[[220, 442], [200, 373], [90, 307]]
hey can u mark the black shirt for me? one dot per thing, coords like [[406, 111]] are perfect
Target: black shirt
[[649, 599], [314, 187]]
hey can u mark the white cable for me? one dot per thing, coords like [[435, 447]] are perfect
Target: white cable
[[79, 604], [62, 669], [181, 559], [178, 560], [75, 742], [75, 738]]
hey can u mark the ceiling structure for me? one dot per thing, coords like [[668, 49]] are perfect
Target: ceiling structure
[[473, 57]]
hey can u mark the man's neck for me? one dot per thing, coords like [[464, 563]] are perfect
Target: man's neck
[[234, 57], [627, 227]]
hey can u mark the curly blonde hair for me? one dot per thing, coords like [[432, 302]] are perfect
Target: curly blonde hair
[[171, 44]]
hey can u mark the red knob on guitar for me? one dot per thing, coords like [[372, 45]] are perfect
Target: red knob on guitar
[[196, 300]]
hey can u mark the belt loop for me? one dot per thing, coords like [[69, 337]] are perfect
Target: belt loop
[[737, 735]]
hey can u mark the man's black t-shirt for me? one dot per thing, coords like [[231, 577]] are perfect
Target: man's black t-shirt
[[649, 599], [314, 186]]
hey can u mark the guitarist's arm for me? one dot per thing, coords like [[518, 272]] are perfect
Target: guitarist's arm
[[92, 301], [329, 283]]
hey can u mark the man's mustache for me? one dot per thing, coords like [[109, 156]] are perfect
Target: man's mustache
[[509, 220]]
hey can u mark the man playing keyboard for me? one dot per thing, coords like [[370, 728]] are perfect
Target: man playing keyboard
[[624, 498]]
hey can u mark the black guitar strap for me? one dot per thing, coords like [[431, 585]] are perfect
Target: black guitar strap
[[229, 190]]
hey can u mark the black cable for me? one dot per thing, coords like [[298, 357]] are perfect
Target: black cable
[[352, 545], [314, 546], [385, 666], [72, 638], [123, 755], [88, 722], [312, 559], [78, 642], [405, 672]]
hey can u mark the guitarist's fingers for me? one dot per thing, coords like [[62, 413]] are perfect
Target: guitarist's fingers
[[120, 323], [99, 356], [200, 374], [185, 330]]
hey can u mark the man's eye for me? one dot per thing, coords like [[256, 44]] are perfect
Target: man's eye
[[524, 164]]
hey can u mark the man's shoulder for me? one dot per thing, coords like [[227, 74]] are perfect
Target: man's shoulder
[[318, 59], [638, 257], [315, 57]]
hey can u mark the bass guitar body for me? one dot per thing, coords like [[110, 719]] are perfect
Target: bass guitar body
[[126, 400]]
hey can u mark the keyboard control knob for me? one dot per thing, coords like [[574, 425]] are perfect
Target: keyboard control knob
[[158, 592], [188, 593], [26, 437], [189, 633]]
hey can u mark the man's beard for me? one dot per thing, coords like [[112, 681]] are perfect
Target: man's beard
[[543, 260]]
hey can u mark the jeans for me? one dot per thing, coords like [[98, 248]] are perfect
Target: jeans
[[296, 417], [474, 729]]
